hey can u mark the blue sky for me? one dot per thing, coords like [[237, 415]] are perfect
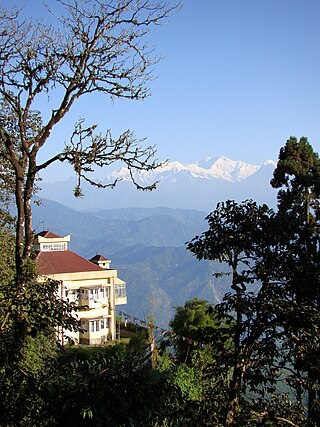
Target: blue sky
[[237, 79]]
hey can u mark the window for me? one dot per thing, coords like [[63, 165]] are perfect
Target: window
[[120, 291], [84, 324], [104, 292], [97, 325], [83, 294], [107, 322], [47, 247]]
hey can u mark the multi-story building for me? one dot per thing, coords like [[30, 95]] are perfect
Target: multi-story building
[[92, 284]]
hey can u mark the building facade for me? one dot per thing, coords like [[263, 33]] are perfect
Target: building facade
[[92, 284]]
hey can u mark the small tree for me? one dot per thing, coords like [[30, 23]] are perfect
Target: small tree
[[198, 321]]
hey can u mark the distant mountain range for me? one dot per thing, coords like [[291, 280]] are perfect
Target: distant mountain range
[[211, 168], [198, 185]]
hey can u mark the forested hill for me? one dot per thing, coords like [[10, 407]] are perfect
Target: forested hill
[[147, 246]]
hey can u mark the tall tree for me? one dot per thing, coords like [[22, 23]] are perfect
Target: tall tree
[[89, 47], [237, 235], [297, 175]]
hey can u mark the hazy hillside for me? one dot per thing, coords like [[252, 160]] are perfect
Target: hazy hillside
[[117, 228], [159, 279]]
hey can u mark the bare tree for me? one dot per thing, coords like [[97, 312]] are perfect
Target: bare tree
[[89, 46]]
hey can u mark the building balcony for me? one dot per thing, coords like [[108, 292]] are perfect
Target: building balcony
[[120, 292]]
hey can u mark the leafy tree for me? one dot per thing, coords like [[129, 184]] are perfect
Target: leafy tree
[[22, 373], [197, 321], [203, 342], [237, 236], [90, 47]]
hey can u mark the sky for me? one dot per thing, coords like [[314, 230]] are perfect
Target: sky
[[238, 78]]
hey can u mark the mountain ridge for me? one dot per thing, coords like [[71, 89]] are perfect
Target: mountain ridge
[[209, 168], [180, 186]]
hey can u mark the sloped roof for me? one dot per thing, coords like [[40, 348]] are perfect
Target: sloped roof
[[98, 258], [48, 235], [57, 262]]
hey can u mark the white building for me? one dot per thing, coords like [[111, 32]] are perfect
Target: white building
[[91, 283]]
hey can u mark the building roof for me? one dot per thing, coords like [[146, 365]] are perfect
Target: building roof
[[98, 258], [57, 262], [48, 235]]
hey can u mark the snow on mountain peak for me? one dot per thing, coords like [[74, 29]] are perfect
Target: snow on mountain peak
[[210, 168], [232, 170]]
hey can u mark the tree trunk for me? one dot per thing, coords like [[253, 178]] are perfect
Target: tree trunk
[[19, 224], [24, 241], [313, 413], [235, 385], [234, 394], [20, 326]]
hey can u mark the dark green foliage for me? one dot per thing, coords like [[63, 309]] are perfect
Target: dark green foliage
[[7, 264], [237, 236], [298, 176], [40, 302], [198, 323], [110, 386]]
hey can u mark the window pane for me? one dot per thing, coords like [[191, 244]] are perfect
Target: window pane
[[120, 290]]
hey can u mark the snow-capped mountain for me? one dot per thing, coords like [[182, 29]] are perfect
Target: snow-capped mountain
[[200, 185], [210, 168]]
